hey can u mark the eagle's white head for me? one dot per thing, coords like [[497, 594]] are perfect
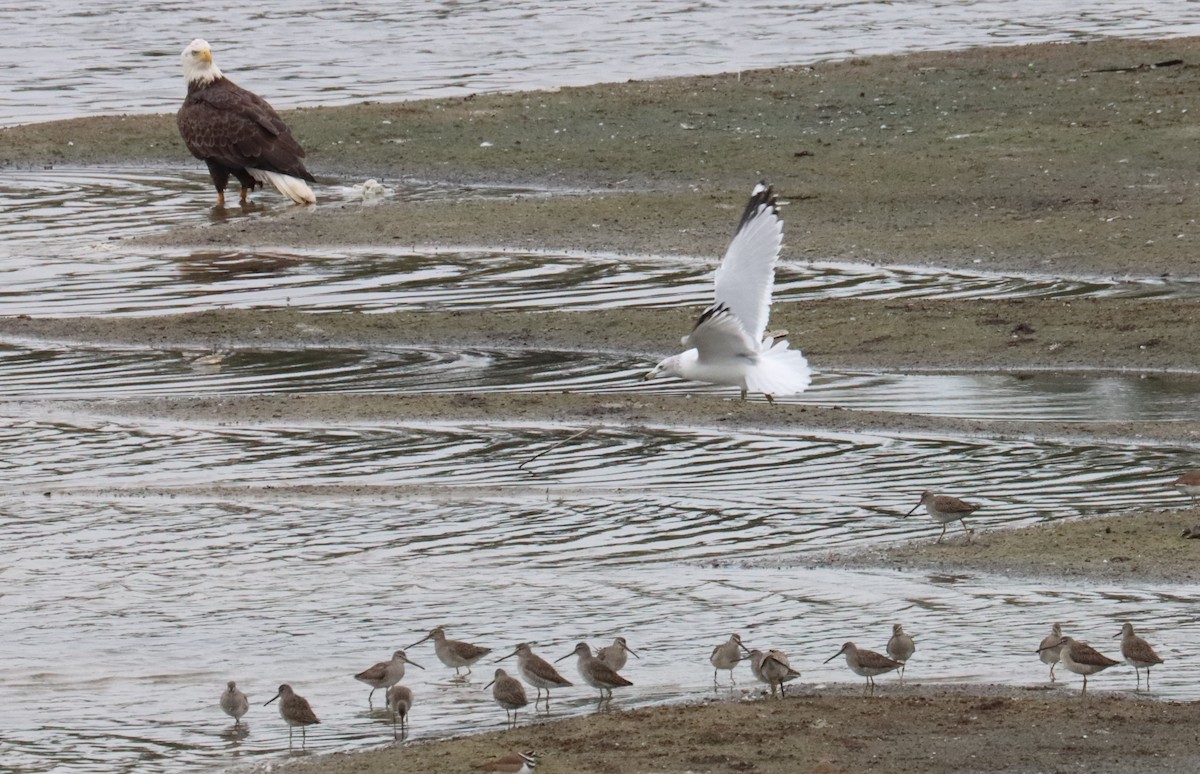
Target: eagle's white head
[[198, 64]]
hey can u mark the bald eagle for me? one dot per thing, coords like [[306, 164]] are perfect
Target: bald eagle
[[237, 133]]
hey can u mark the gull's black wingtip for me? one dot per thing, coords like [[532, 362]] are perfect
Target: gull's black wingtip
[[762, 197]]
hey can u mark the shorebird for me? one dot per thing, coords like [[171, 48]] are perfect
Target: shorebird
[[729, 343], [453, 653], [773, 669], [726, 656], [616, 655], [945, 509], [1189, 484], [1138, 653], [1049, 648], [235, 703], [900, 648], [294, 709], [508, 693], [515, 763], [865, 663], [595, 672], [1083, 659], [385, 674], [537, 671], [399, 701]]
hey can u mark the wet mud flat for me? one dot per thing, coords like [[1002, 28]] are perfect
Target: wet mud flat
[[912, 729], [1139, 545], [1026, 159]]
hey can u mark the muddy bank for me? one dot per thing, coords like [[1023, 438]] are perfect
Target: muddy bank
[[910, 730], [1025, 158], [1143, 545]]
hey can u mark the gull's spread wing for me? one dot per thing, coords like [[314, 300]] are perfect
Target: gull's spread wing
[[719, 336], [747, 272]]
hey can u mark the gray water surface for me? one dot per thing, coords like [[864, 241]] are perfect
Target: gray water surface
[[40, 371], [314, 52]]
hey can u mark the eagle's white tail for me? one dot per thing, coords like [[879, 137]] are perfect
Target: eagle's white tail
[[779, 371], [292, 187]]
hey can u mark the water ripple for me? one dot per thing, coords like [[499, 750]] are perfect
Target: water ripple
[[47, 372]]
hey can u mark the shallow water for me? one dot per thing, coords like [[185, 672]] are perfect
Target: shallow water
[[61, 254], [138, 282], [374, 50], [128, 603], [311, 593], [669, 493], [83, 210], [40, 371]]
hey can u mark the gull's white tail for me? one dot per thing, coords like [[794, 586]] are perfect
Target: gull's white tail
[[779, 371], [292, 187]]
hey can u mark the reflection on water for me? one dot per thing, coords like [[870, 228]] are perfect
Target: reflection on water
[[46, 373], [69, 207], [41, 282], [131, 62]]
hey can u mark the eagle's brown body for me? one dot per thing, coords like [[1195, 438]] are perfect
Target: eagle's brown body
[[231, 129], [235, 132]]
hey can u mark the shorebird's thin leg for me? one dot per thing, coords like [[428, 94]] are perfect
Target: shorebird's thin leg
[[1052, 677], [743, 393], [966, 529], [943, 532]]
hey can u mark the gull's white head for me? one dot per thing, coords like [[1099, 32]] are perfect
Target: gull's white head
[[671, 366], [198, 64]]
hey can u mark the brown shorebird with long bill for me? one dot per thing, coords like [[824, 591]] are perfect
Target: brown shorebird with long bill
[[900, 647], [537, 671], [773, 669], [617, 654], [945, 510], [1083, 659], [385, 674], [1138, 654], [727, 655], [235, 703], [1049, 648], [509, 694], [453, 653], [295, 711], [595, 672], [865, 663], [399, 701], [1189, 484]]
